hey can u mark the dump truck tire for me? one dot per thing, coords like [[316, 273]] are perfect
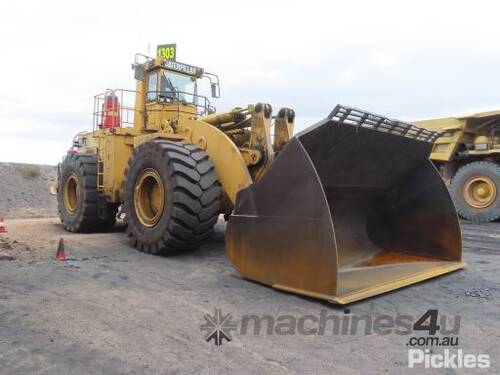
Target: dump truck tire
[[475, 189], [172, 197], [77, 195]]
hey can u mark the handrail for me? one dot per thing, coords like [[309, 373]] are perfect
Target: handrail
[[126, 100]]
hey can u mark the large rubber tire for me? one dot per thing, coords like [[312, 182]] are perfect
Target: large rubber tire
[[84, 217], [458, 183], [192, 197]]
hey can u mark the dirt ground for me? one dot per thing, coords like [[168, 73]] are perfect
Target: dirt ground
[[24, 191], [111, 309]]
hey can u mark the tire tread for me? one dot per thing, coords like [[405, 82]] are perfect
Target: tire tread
[[196, 196], [456, 192]]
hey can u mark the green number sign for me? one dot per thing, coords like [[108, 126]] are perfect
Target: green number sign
[[167, 51]]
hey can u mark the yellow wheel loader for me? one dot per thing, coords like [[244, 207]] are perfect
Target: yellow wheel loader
[[349, 208], [468, 155]]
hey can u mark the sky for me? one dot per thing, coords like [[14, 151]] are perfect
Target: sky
[[404, 59]]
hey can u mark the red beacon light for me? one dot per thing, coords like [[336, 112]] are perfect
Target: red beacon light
[[111, 111]]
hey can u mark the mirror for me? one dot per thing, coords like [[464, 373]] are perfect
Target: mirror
[[215, 90], [139, 72]]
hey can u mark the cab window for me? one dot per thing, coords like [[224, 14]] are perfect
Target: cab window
[[174, 86], [152, 87]]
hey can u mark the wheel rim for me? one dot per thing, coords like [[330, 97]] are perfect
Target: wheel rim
[[149, 197], [480, 191], [71, 193]]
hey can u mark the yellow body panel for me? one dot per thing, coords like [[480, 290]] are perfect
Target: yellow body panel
[[230, 166], [462, 132], [114, 150], [116, 147]]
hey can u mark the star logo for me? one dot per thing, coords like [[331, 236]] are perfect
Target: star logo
[[218, 327]]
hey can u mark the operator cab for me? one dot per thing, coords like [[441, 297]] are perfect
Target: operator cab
[[171, 82], [166, 86]]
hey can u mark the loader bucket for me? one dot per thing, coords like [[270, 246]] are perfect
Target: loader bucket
[[352, 207]]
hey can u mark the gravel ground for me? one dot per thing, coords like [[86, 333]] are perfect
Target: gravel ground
[[24, 191], [111, 309]]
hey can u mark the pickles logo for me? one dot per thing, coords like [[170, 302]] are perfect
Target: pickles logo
[[448, 359], [218, 327]]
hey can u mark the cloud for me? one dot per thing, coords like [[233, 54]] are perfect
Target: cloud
[[412, 60]]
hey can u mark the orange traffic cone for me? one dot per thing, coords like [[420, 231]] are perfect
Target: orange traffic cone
[[61, 255], [2, 226]]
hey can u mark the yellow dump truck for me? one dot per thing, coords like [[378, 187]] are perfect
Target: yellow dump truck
[[349, 208], [467, 154]]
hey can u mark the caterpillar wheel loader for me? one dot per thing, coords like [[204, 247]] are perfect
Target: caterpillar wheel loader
[[467, 154], [349, 208]]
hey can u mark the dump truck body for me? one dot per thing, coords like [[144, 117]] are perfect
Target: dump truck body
[[467, 154], [346, 209]]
